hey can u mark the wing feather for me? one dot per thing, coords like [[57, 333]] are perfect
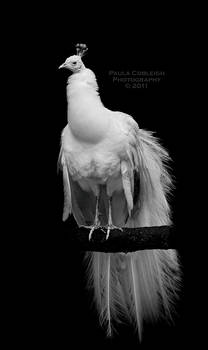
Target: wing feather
[[67, 190]]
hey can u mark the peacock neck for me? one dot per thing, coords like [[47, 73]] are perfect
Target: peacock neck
[[86, 114]]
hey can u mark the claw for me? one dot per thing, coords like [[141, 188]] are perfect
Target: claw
[[91, 232], [108, 233]]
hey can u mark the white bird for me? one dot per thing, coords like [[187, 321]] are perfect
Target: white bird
[[115, 176]]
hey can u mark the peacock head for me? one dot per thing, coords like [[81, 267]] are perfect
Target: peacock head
[[74, 63]]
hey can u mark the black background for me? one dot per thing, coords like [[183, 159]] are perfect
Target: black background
[[57, 307]]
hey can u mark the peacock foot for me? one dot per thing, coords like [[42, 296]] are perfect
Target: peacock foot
[[112, 227], [92, 228]]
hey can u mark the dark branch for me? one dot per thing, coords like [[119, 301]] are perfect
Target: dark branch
[[128, 240]]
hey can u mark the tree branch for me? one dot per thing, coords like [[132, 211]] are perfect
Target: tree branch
[[128, 240]]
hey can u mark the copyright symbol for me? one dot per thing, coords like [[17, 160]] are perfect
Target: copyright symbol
[[127, 85]]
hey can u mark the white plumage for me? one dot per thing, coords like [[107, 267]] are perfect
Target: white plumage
[[115, 175]]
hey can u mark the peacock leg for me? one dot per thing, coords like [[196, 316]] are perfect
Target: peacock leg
[[96, 221], [110, 225]]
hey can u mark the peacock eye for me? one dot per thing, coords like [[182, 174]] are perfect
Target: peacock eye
[[74, 62]]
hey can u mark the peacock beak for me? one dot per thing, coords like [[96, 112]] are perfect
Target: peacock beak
[[62, 65]]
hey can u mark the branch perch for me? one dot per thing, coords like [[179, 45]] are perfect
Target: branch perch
[[128, 240]]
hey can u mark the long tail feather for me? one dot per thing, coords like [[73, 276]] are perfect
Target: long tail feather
[[134, 292], [144, 284], [108, 294], [101, 279]]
